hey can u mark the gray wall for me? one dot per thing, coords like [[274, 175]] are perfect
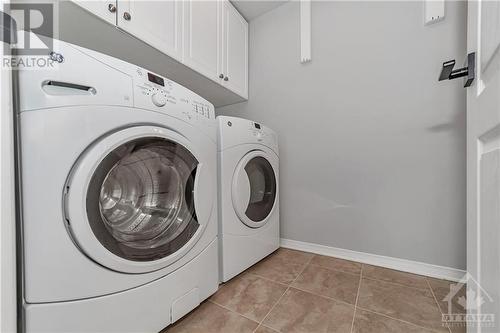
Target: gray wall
[[372, 147]]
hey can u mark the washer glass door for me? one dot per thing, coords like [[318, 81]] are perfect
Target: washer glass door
[[254, 190], [140, 201]]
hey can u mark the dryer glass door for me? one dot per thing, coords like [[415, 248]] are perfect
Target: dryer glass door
[[262, 188], [140, 200], [254, 189]]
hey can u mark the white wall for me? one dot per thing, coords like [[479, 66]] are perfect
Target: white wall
[[372, 146]]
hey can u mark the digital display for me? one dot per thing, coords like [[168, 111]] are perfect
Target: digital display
[[156, 79], [257, 126]]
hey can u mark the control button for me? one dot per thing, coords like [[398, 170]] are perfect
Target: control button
[[158, 100]]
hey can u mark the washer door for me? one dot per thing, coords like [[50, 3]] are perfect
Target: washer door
[[138, 189], [254, 188]]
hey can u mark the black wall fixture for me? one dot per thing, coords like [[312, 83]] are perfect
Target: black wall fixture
[[447, 73]]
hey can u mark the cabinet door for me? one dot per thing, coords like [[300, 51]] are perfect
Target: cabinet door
[[202, 45], [158, 23], [105, 9], [235, 50]]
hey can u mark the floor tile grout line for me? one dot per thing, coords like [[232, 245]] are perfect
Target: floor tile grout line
[[269, 328], [263, 278], [322, 296], [303, 290], [309, 263], [272, 308], [398, 319], [433, 294], [357, 297], [369, 277], [329, 298], [356, 308], [435, 300], [396, 283], [393, 269], [365, 264], [337, 300], [288, 287], [279, 299], [267, 279], [231, 310]]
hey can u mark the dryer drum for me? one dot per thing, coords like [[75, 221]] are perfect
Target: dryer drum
[[140, 202], [262, 188]]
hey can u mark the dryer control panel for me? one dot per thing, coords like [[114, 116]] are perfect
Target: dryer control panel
[[235, 131]]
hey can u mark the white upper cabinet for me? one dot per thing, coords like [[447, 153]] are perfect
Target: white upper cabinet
[[158, 23], [235, 50], [106, 10], [202, 37], [208, 36]]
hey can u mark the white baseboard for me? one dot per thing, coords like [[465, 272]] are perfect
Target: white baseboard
[[404, 265]]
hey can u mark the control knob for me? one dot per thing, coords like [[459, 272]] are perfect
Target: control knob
[[159, 100]]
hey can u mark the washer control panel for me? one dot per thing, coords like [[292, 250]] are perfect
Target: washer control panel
[[201, 108], [158, 96], [159, 99], [159, 93]]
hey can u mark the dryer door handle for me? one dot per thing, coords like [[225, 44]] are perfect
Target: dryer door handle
[[52, 87]]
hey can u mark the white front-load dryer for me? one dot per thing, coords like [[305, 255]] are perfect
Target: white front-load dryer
[[118, 186], [248, 194]]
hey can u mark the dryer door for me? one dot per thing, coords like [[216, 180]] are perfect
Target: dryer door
[[131, 202], [254, 188]]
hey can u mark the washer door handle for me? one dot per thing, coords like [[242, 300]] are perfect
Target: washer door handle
[[66, 88]]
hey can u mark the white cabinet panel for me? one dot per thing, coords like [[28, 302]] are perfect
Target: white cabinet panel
[[158, 23], [105, 9], [208, 36], [235, 50], [202, 44]]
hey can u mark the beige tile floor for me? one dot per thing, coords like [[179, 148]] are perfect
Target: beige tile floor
[[293, 291]]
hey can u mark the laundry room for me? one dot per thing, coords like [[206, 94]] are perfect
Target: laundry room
[[250, 166]]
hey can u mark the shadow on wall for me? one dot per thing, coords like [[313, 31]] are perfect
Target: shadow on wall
[[456, 125]]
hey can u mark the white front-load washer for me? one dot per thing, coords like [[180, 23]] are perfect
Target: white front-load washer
[[248, 194], [118, 184]]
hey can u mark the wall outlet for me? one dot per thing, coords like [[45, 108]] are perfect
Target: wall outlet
[[433, 11]]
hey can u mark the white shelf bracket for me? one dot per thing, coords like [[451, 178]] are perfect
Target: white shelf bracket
[[305, 31]]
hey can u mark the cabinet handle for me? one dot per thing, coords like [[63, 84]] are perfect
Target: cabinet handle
[[226, 79], [127, 16], [221, 76], [112, 8]]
